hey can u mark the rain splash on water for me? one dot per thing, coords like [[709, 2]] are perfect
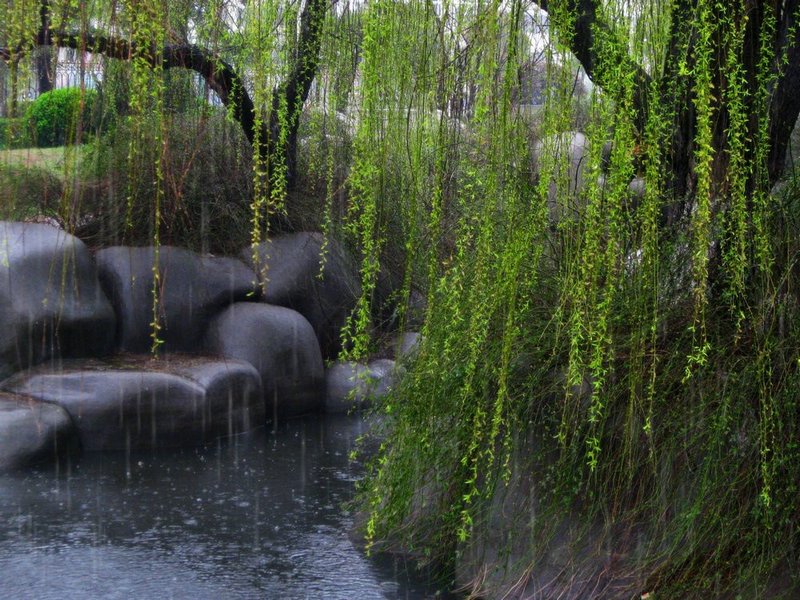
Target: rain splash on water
[[256, 516]]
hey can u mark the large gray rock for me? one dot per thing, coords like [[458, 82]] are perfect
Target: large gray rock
[[570, 150], [32, 432], [291, 266], [193, 289], [136, 402], [405, 345], [51, 304], [351, 386], [280, 343]]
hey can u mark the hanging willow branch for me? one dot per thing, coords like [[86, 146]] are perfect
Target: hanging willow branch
[[220, 76], [589, 22]]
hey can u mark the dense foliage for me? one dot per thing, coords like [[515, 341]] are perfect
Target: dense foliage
[[59, 116], [614, 323]]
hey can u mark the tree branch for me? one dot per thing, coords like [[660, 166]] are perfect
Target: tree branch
[[288, 99], [220, 76], [784, 108], [590, 20]]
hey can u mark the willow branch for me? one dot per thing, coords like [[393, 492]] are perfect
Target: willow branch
[[589, 20]]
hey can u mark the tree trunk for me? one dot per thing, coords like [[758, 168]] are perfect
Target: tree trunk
[[676, 99]]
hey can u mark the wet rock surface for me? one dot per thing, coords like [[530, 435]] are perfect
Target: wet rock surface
[[291, 265], [571, 150], [136, 402], [193, 289], [351, 386], [405, 345], [52, 303], [33, 432], [280, 343], [66, 311]]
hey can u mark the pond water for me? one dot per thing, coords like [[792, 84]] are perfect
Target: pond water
[[257, 516]]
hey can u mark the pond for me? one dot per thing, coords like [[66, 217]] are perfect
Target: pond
[[256, 516]]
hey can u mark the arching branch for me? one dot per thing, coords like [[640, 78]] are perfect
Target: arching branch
[[589, 20], [784, 108], [220, 76]]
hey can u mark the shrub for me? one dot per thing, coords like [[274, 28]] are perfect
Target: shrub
[[54, 116], [206, 187], [28, 191]]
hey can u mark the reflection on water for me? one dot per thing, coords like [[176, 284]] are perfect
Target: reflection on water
[[254, 517]]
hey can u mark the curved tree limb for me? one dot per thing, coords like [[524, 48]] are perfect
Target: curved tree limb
[[784, 108], [220, 76], [590, 20]]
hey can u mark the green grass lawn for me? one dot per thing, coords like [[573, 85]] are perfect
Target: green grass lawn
[[59, 161]]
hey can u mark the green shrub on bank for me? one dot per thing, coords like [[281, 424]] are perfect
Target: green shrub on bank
[[28, 191], [56, 117]]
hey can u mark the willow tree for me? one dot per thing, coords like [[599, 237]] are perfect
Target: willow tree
[[634, 364], [631, 364]]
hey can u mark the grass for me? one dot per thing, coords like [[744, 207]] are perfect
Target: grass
[[59, 161]]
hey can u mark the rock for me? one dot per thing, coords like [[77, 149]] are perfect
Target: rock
[[193, 289], [636, 191], [280, 343], [570, 149], [52, 303], [137, 402], [385, 373], [351, 386], [291, 265], [32, 432], [406, 344], [347, 387]]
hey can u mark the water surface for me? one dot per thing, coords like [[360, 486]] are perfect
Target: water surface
[[257, 516]]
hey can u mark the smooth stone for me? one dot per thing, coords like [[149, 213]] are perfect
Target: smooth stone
[[352, 386], [280, 343], [134, 402], [289, 267], [406, 344], [52, 303], [385, 373], [570, 149], [636, 191], [33, 432], [193, 289]]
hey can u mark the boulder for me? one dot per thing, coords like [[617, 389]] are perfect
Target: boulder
[[193, 289], [135, 402], [280, 343], [52, 303], [385, 373], [570, 150], [290, 267], [351, 386], [33, 432], [405, 345]]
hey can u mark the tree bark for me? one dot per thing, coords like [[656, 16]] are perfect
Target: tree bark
[[675, 88]]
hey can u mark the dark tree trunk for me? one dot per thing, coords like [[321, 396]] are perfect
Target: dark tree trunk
[[675, 100], [43, 62]]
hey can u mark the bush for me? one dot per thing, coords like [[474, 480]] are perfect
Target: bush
[[54, 116], [206, 186], [27, 192]]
